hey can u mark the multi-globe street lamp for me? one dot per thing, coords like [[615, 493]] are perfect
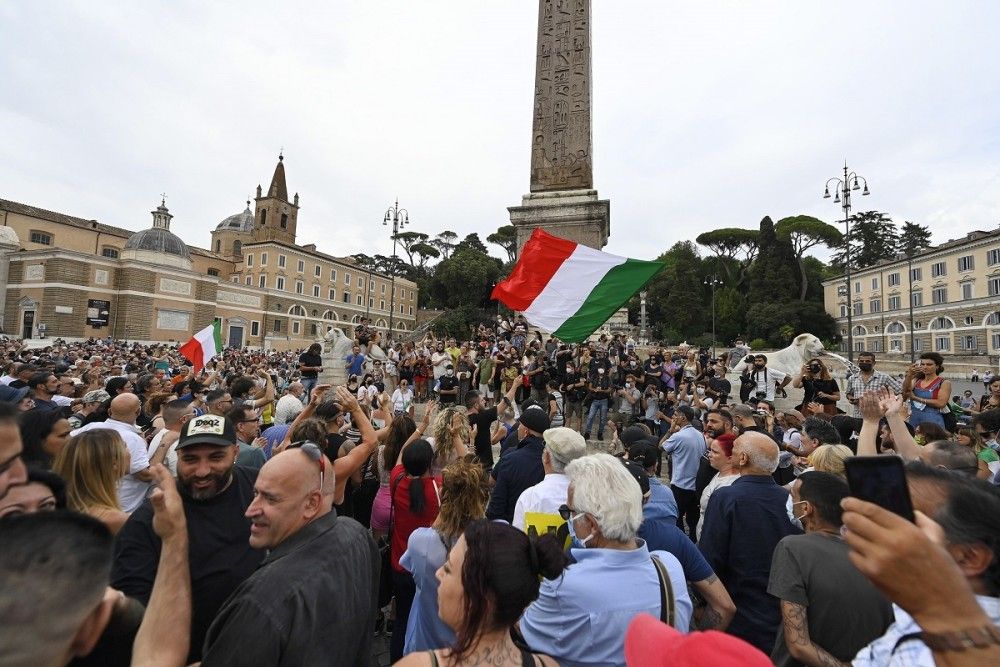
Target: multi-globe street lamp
[[713, 282], [400, 218], [842, 190]]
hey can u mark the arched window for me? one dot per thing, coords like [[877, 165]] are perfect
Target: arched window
[[330, 315], [860, 330], [218, 245], [381, 324], [237, 248], [297, 311], [942, 323], [992, 320], [355, 319], [895, 328]]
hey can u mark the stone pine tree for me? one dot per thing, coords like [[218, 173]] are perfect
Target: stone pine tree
[[913, 238], [772, 298], [805, 233], [676, 295], [873, 238]]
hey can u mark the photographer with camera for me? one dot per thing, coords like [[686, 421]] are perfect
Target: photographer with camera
[[574, 390], [627, 403], [760, 381]]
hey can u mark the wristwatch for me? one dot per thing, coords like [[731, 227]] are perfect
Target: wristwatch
[[960, 640]]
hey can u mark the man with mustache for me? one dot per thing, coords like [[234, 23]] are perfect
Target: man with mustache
[[216, 493]]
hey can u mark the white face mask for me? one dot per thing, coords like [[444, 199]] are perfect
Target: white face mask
[[450, 373], [701, 391], [600, 371], [628, 385]]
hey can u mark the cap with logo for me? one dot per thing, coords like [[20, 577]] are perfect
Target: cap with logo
[[208, 430]]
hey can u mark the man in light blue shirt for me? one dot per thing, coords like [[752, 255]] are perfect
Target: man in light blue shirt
[[686, 447], [581, 618]]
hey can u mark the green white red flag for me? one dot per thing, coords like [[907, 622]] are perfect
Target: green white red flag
[[203, 346], [570, 289]]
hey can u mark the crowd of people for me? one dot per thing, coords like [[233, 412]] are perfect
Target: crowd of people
[[507, 499]]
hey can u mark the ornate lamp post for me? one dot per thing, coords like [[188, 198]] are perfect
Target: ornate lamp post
[[400, 218], [842, 190], [713, 282]]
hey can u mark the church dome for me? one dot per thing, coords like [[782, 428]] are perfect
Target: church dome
[[241, 222], [158, 239]]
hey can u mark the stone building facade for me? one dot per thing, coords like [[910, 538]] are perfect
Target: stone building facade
[[75, 278], [955, 291]]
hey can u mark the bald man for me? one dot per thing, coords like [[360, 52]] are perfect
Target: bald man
[[743, 524], [124, 410], [319, 567]]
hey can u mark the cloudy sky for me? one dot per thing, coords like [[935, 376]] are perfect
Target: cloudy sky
[[706, 114]]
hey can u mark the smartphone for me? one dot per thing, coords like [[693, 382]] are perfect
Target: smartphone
[[880, 480]]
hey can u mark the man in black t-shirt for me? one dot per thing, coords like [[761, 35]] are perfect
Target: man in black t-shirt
[[448, 386], [310, 364], [482, 418], [215, 493]]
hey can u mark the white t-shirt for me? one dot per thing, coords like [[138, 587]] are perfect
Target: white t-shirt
[[401, 400], [131, 490], [765, 382], [287, 409], [545, 497], [717, 483]]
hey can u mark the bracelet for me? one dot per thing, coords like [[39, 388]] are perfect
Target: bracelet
[[960, 640]]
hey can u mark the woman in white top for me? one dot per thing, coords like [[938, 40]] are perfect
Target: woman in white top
[[402, 399], [720, 456]]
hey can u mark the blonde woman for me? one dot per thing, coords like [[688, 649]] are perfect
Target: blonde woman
[[830, 458], [92, 463], [452, 435]]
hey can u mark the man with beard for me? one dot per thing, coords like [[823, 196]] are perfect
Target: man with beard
[[216, 494]]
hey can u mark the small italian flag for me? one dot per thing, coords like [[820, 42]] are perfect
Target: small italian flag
[[203, 345], [570, 289]]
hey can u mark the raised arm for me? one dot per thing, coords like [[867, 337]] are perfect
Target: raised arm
[[419, 433], [871, 415], [905, 445], [317, 397]]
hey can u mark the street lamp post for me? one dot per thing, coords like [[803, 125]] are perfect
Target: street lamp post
[[842, 191], [713, 282], [909, 272], [400, 218]]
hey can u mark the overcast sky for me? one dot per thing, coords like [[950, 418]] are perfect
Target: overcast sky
[[706, 114]]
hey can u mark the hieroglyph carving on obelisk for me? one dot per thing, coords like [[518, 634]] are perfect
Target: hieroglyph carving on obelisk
[[561, 144]]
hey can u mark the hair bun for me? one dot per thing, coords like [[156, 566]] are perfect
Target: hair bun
[[547, 556]]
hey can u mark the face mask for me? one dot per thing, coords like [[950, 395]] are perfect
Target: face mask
[[797, 518], [450, 373], [815, 369], [600, 371], [577, 542], [628, 385], [569, 369], [865, 366], [701, 391]]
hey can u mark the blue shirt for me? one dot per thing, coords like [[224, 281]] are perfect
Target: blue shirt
[[661, 503], [662, 534], [355, 363], [686, 447], [743, 524], [515, 472], [425, 553], [580, 618]]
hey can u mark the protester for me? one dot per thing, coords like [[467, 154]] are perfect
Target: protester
[[521, 468], [43, 433], [686, 447], [562, 446], [44, 491], [864, 378], [92, 463], [927, 391]]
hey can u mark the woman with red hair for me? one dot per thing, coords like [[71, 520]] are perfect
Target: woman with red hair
[[720, 455]]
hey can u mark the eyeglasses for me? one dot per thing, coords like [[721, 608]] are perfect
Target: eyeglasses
[[313, 451]]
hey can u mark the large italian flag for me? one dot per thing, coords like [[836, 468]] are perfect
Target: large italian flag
[[570, 289], [203, 345]]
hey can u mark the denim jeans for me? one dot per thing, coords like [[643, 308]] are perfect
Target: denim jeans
[[598, 406], [307, 385]]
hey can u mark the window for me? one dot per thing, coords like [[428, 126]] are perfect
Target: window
[[857, 287], [249, 260], [263, 217], [109, 252], [893, 280], [874, 283], [43, 238], [213, 272], [939, 295], [277, 326], [313, 330], [859, 346], [877, 345], [301, 266], [237, 248], [361, 282], [383, 288], [966, 263], [939, 269], [967, 343], [993, 319], [299, 287], [992, 257], [875, 306], [333, 275], [860, 330], [893, 303], [401, 309], [262, 281], [347, 297], [381, 304], [895, 328], [994, 286], [249, 280], [318, 271], [295, 327], [316, 291], [966, 291], [942, 343], [411, 310], [916, 274], [279, 283], [347, 278], [371, 286], [332, 295], [297, 311], [995, 341], [843, 310], [255, 328], [360, 300], [969, 321], [896, 345], [371, 302], [917, 345], [281, 261], [916, 298], [858, 308], [263, 259], [941, 323], [218, 246], [284, 223]]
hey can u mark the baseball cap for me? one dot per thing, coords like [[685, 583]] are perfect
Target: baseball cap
[[96, 396], [12, 394], [644, 452], [640, 475], [535, 419], [564, 444], [208, 430], [651, 643]]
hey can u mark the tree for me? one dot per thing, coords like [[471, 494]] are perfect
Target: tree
[[472, 241], [506, 238], [445, 243], [424, 252], [807, 232], [464, 279], [408, 240], [873, 238], [771, 275], [913, 238], [736, 246], [675, 297]]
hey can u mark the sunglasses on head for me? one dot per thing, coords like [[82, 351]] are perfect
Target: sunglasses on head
[[313, 451]]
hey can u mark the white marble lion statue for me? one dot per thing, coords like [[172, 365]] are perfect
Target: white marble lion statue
[[790, 359]]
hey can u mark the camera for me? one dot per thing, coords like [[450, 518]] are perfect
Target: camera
[[761, 395]]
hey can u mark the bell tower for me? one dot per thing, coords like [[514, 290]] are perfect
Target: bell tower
[[275, 216]]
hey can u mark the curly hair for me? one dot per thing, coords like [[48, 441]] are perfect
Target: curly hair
[[464, 493], [400, 430], [443, 443]]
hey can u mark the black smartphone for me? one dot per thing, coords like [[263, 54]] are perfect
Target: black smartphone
[[880, 480]]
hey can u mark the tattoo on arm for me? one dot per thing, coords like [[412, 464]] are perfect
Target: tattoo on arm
[[796, 624]]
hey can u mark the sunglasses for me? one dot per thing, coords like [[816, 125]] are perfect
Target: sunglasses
[[312, 450], [566, 512]]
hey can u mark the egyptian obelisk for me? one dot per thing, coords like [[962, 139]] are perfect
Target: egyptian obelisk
[[562, 199]]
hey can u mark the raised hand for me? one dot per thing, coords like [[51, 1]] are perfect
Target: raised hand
[[168, 510], [889, 401], [347, 399], [870, 407]]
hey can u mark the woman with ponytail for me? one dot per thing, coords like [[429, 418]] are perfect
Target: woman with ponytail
[[492, 574]]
